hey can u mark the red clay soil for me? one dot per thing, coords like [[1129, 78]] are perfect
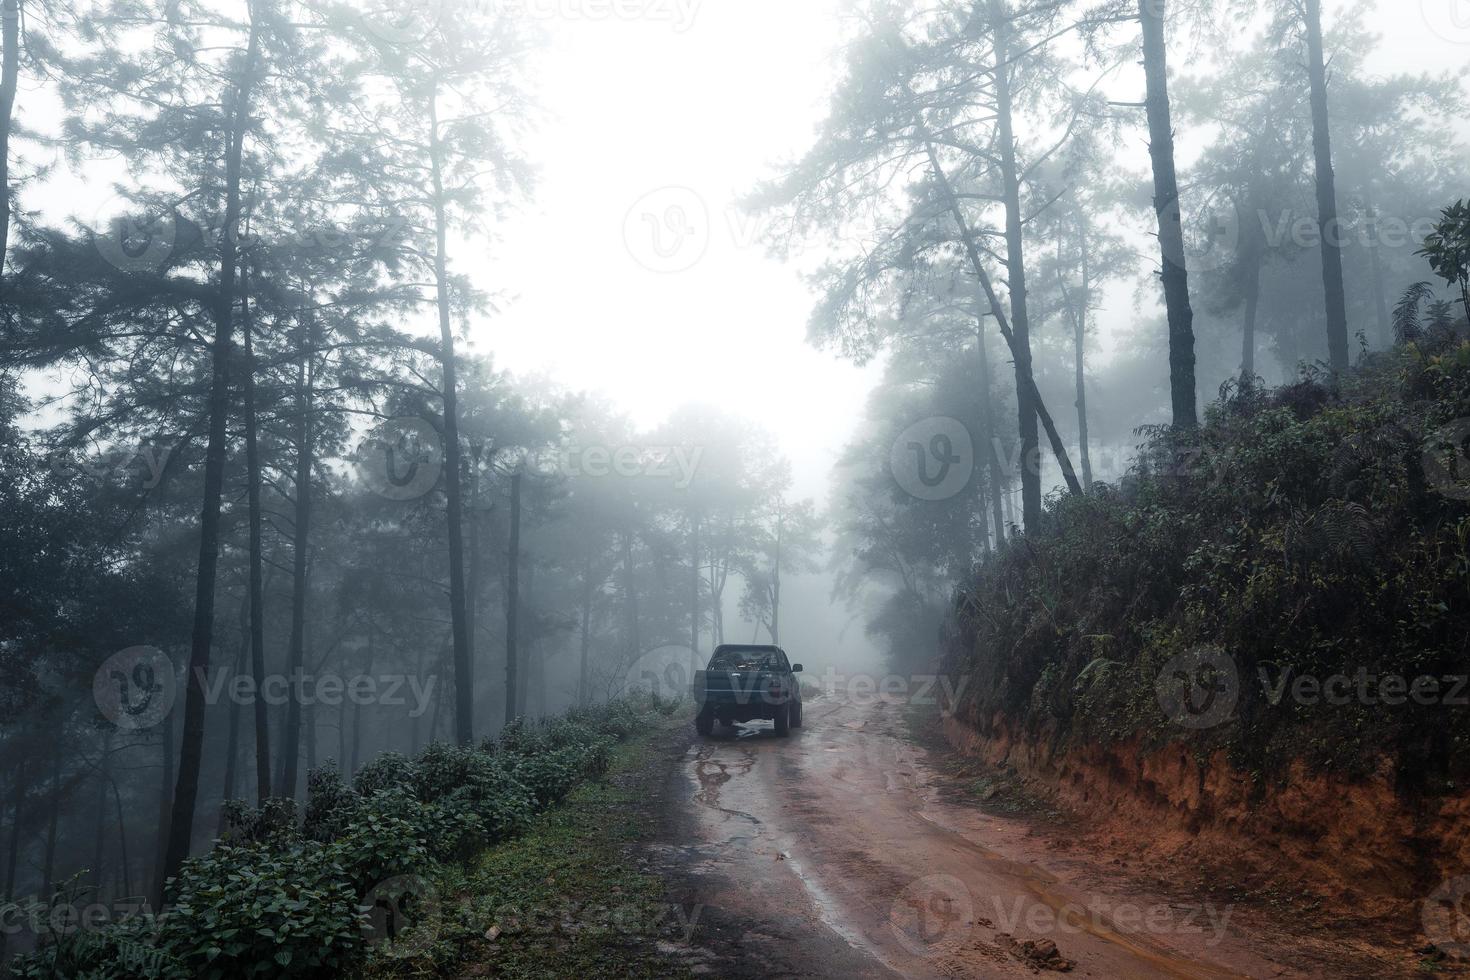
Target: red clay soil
[[1370, 855]]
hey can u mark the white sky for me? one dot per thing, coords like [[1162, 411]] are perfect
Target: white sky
[[706, 97], [638, 106]]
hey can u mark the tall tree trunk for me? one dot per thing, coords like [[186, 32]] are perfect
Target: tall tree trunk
[[122, 840], [1078, 311], [372, 654], [454, 505], [630, 593], [776, 577], [473, 591], [513, 601], [9, 82], [104, 780], [1380, 298], [19, 788], [582, 679], [257, 553], [309, 734], [1024, 378], [1171, 224], [1252, 310], [987, 428], [1327, 220], [191, 751], [694, 587], [48, 866], [301, 567], [527, 664], [165, 807], [1026, 397], [232, 745]]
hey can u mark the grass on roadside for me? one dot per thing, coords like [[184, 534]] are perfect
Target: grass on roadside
[[566, 898]]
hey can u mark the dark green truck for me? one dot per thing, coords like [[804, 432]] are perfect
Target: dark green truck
[[746, 683]]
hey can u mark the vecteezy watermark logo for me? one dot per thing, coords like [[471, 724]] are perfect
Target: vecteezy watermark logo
[[668, 230], [400, 21], [1446, 918], [933, 916], [147, 462], [136, 688], [401, 459], [678, 464], [667, 672], [391, 907], [1199, 689], [1448, 19], [331, 690], [934, 459], [1209, 246], [1446, 461], [134, 240], [1214, 244]]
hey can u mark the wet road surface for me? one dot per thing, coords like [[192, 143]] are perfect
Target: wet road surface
[[836, 854]]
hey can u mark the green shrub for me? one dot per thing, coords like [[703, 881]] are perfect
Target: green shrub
[[257, 911], [1296, 530]]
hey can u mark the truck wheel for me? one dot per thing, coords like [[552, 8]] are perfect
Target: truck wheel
[[783, 720], [795, 710], [704, 722]]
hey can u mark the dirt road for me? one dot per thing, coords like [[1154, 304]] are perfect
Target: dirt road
[[833, 853]]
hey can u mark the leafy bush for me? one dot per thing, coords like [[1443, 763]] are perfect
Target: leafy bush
[[258, 911], [1297, 530], [277, 900]]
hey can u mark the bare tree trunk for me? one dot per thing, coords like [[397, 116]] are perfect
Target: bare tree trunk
[[454, 505], [1327, 220], [1380, 299], [472, 600], [104, 780], [513, 601], [257, 554], [694, 586], [9, 82], [1079, 325], [527, 664], [19, 788], [1026, 396], [1024, 378], [1175, 275], [309, 734], [165, 807], [776, 577], [301, 567], [1252, 309], [48, 867], [357, 708], [582, 691], [122, 840], [191, 752], [630, 592], [232, 745], [987, 424]]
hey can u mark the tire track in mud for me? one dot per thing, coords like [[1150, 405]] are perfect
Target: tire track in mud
[[844, 818]]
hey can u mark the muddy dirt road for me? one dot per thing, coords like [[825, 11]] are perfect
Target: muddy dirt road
[[833, 853]]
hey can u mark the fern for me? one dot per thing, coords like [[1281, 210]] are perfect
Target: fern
[[1408, 327]]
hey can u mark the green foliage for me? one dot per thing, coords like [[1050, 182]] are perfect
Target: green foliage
[[276, 900], [1301, 529], [269, 912], [1448, 248]]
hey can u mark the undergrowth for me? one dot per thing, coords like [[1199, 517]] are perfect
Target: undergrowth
[[1317, 530]]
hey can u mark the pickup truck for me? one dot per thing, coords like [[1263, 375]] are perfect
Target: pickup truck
[[745, 683]]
